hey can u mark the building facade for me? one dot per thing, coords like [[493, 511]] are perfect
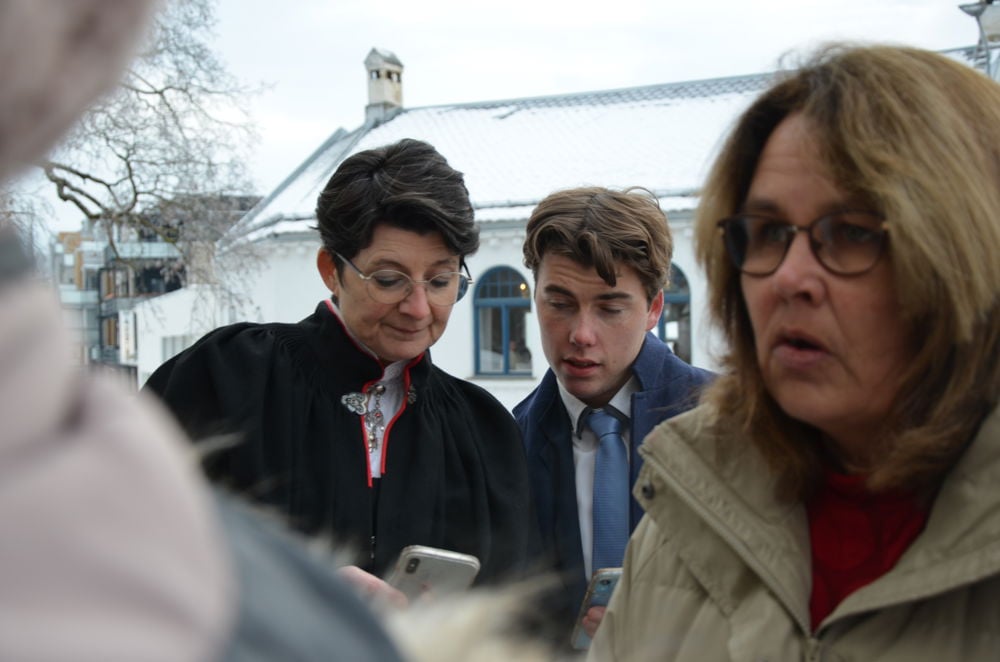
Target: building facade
[[513, 153]]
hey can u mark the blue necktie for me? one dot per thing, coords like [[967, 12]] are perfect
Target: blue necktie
[[611, 495]]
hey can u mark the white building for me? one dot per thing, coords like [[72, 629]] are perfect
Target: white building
[[513, 153]]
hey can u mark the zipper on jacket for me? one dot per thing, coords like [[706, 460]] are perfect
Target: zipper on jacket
[[371, 550], [813, 649]]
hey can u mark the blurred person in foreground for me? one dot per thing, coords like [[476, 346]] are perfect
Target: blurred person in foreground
[[341, 421], [600, 260], [837, 495], [114, 548]]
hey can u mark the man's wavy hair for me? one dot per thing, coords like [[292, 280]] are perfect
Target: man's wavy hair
[[601, 228], [917, 135]]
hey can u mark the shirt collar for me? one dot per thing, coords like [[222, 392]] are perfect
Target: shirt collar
[[393, 373], [618, 406]]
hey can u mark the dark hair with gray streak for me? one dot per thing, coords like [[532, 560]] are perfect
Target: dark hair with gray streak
[[407, 185]]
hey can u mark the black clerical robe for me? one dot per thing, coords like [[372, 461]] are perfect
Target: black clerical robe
[[455, 473]]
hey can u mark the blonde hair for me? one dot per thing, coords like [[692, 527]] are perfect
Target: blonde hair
[[917, 136]]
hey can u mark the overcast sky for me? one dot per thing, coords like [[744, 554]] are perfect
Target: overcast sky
[[310, 53]]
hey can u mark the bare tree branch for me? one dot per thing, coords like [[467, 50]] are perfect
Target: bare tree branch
[[164, 155]]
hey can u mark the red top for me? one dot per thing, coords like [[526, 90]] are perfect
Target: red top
[[856, 537]]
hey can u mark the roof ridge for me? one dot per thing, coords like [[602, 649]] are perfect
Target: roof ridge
[[613, 92], [250, 223]]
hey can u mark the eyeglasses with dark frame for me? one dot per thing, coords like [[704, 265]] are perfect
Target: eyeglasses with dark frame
[[389, 286], [845, 243]]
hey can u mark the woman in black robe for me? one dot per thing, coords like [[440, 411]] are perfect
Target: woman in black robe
[[341, 421]]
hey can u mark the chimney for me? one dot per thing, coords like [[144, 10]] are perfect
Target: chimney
[[385, 86]]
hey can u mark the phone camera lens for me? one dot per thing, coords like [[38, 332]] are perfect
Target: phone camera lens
[[411, 565]]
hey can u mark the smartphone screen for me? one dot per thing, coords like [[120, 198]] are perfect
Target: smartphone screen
[[602, 585]]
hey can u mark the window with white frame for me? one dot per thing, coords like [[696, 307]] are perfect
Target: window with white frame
[[502, 302], [675, 322]]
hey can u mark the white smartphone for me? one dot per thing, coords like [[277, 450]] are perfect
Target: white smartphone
[[421, 570], [602, 585]]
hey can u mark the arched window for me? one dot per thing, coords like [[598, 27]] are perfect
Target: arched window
[[502, 302], [675, 322]]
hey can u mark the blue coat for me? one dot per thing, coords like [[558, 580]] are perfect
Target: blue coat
[[667, 387]]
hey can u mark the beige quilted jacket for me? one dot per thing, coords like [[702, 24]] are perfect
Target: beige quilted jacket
[[719, 570]]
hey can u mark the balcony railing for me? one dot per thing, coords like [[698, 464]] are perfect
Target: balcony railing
[[109, 355], [72, 297], [120, 304], [141, 250]]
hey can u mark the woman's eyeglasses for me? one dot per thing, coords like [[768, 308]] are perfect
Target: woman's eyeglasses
[[390, 287], [847, 243]]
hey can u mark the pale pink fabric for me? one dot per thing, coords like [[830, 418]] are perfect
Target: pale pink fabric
[[56, 57], [109, 548]]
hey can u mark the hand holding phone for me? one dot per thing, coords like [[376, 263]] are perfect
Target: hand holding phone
[[371, 587], [602, 585], [422, 570]]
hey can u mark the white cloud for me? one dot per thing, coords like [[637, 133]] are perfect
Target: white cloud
[[456, 50]]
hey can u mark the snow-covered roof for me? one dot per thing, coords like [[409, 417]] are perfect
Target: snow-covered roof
[[515, 152]]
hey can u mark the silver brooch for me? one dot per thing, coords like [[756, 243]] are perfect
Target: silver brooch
[[355, 402]]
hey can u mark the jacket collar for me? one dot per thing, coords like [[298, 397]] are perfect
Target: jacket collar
[[351, 370], [552, 419], [649, 362], [960, 543]]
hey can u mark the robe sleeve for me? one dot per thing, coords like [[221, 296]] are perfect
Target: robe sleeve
[[488, 439], [233, 392]]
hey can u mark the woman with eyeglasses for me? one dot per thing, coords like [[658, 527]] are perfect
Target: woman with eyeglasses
[[837, 493], [341, 421]]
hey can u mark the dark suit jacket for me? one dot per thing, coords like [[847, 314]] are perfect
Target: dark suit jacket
[[668, 386]]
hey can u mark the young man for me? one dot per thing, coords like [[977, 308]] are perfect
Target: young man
[[600, 260]]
